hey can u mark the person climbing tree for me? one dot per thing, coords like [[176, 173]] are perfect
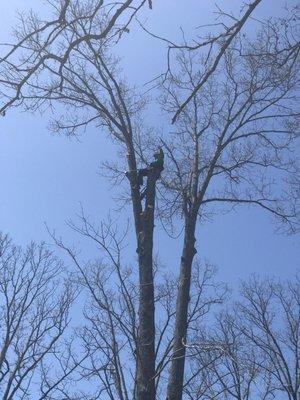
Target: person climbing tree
[[158, 164], [156, 167]]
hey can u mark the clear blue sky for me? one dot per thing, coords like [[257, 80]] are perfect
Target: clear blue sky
[[44, 177]]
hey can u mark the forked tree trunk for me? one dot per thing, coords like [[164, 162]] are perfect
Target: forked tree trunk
[[176, 375], [146, 336], [144, 224]]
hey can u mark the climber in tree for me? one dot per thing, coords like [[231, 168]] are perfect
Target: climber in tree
[[156, 167], [158, 164]]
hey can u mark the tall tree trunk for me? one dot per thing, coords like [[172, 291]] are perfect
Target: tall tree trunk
[[144, 224], [176, 375]]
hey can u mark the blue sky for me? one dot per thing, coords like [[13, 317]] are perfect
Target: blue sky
[[44, 177]]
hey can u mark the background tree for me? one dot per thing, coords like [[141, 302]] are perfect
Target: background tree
[[271, 322], [225, 364], [35, 301], [253, 352]]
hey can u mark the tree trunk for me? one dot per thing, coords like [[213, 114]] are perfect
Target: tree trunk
[[176, 376], [146, 333]]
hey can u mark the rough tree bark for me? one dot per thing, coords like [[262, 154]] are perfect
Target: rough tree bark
[[144, 225], [175, 387]]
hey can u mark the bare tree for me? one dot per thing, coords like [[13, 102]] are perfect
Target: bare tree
[[252, 352], [232, 144], [271, 322], [212, 46], [235, 129], [34, 316], [43, 45], [109, 333], [76, 69], [225, 365]]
